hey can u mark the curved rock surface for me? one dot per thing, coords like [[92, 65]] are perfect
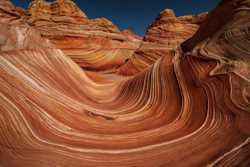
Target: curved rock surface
[[190, 108], [171, 30], [94, 44], [166, 33]]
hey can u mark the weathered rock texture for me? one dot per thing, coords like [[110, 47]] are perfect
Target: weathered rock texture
[[171, 30], [94, 44], [190, 108], [166, 33], [15, 33]]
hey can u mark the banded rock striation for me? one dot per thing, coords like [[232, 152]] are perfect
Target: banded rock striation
[[166, 33], [190, 108], [15, 33], [171, 30], [94, 44]]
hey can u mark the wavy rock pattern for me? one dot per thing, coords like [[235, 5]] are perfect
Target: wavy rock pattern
[[171, 30], [166, 33], [187, 109], [94, 44]]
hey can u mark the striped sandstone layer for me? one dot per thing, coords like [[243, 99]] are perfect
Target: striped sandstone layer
[[166, 33], [188, 109], [94, 44]]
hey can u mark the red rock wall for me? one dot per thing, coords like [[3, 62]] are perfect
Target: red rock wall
[[190, 108]]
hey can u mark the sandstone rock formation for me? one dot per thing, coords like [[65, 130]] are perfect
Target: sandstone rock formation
[[166, 33], [94, 44], [15, 33], [131, 34], [171, 30], [189, 108]]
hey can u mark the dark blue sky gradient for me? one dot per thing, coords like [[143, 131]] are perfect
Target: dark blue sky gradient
[[136, 14]]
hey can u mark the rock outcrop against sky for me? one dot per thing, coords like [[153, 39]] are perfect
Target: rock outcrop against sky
[[76, 92]]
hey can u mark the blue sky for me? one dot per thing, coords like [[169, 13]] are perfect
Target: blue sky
[[136, 14]]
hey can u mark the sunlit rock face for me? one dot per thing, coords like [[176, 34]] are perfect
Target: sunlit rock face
[[94, 44], [171, 30], [131, 34], [166, 33], [189, 108], [41, 9], [15, 33]]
